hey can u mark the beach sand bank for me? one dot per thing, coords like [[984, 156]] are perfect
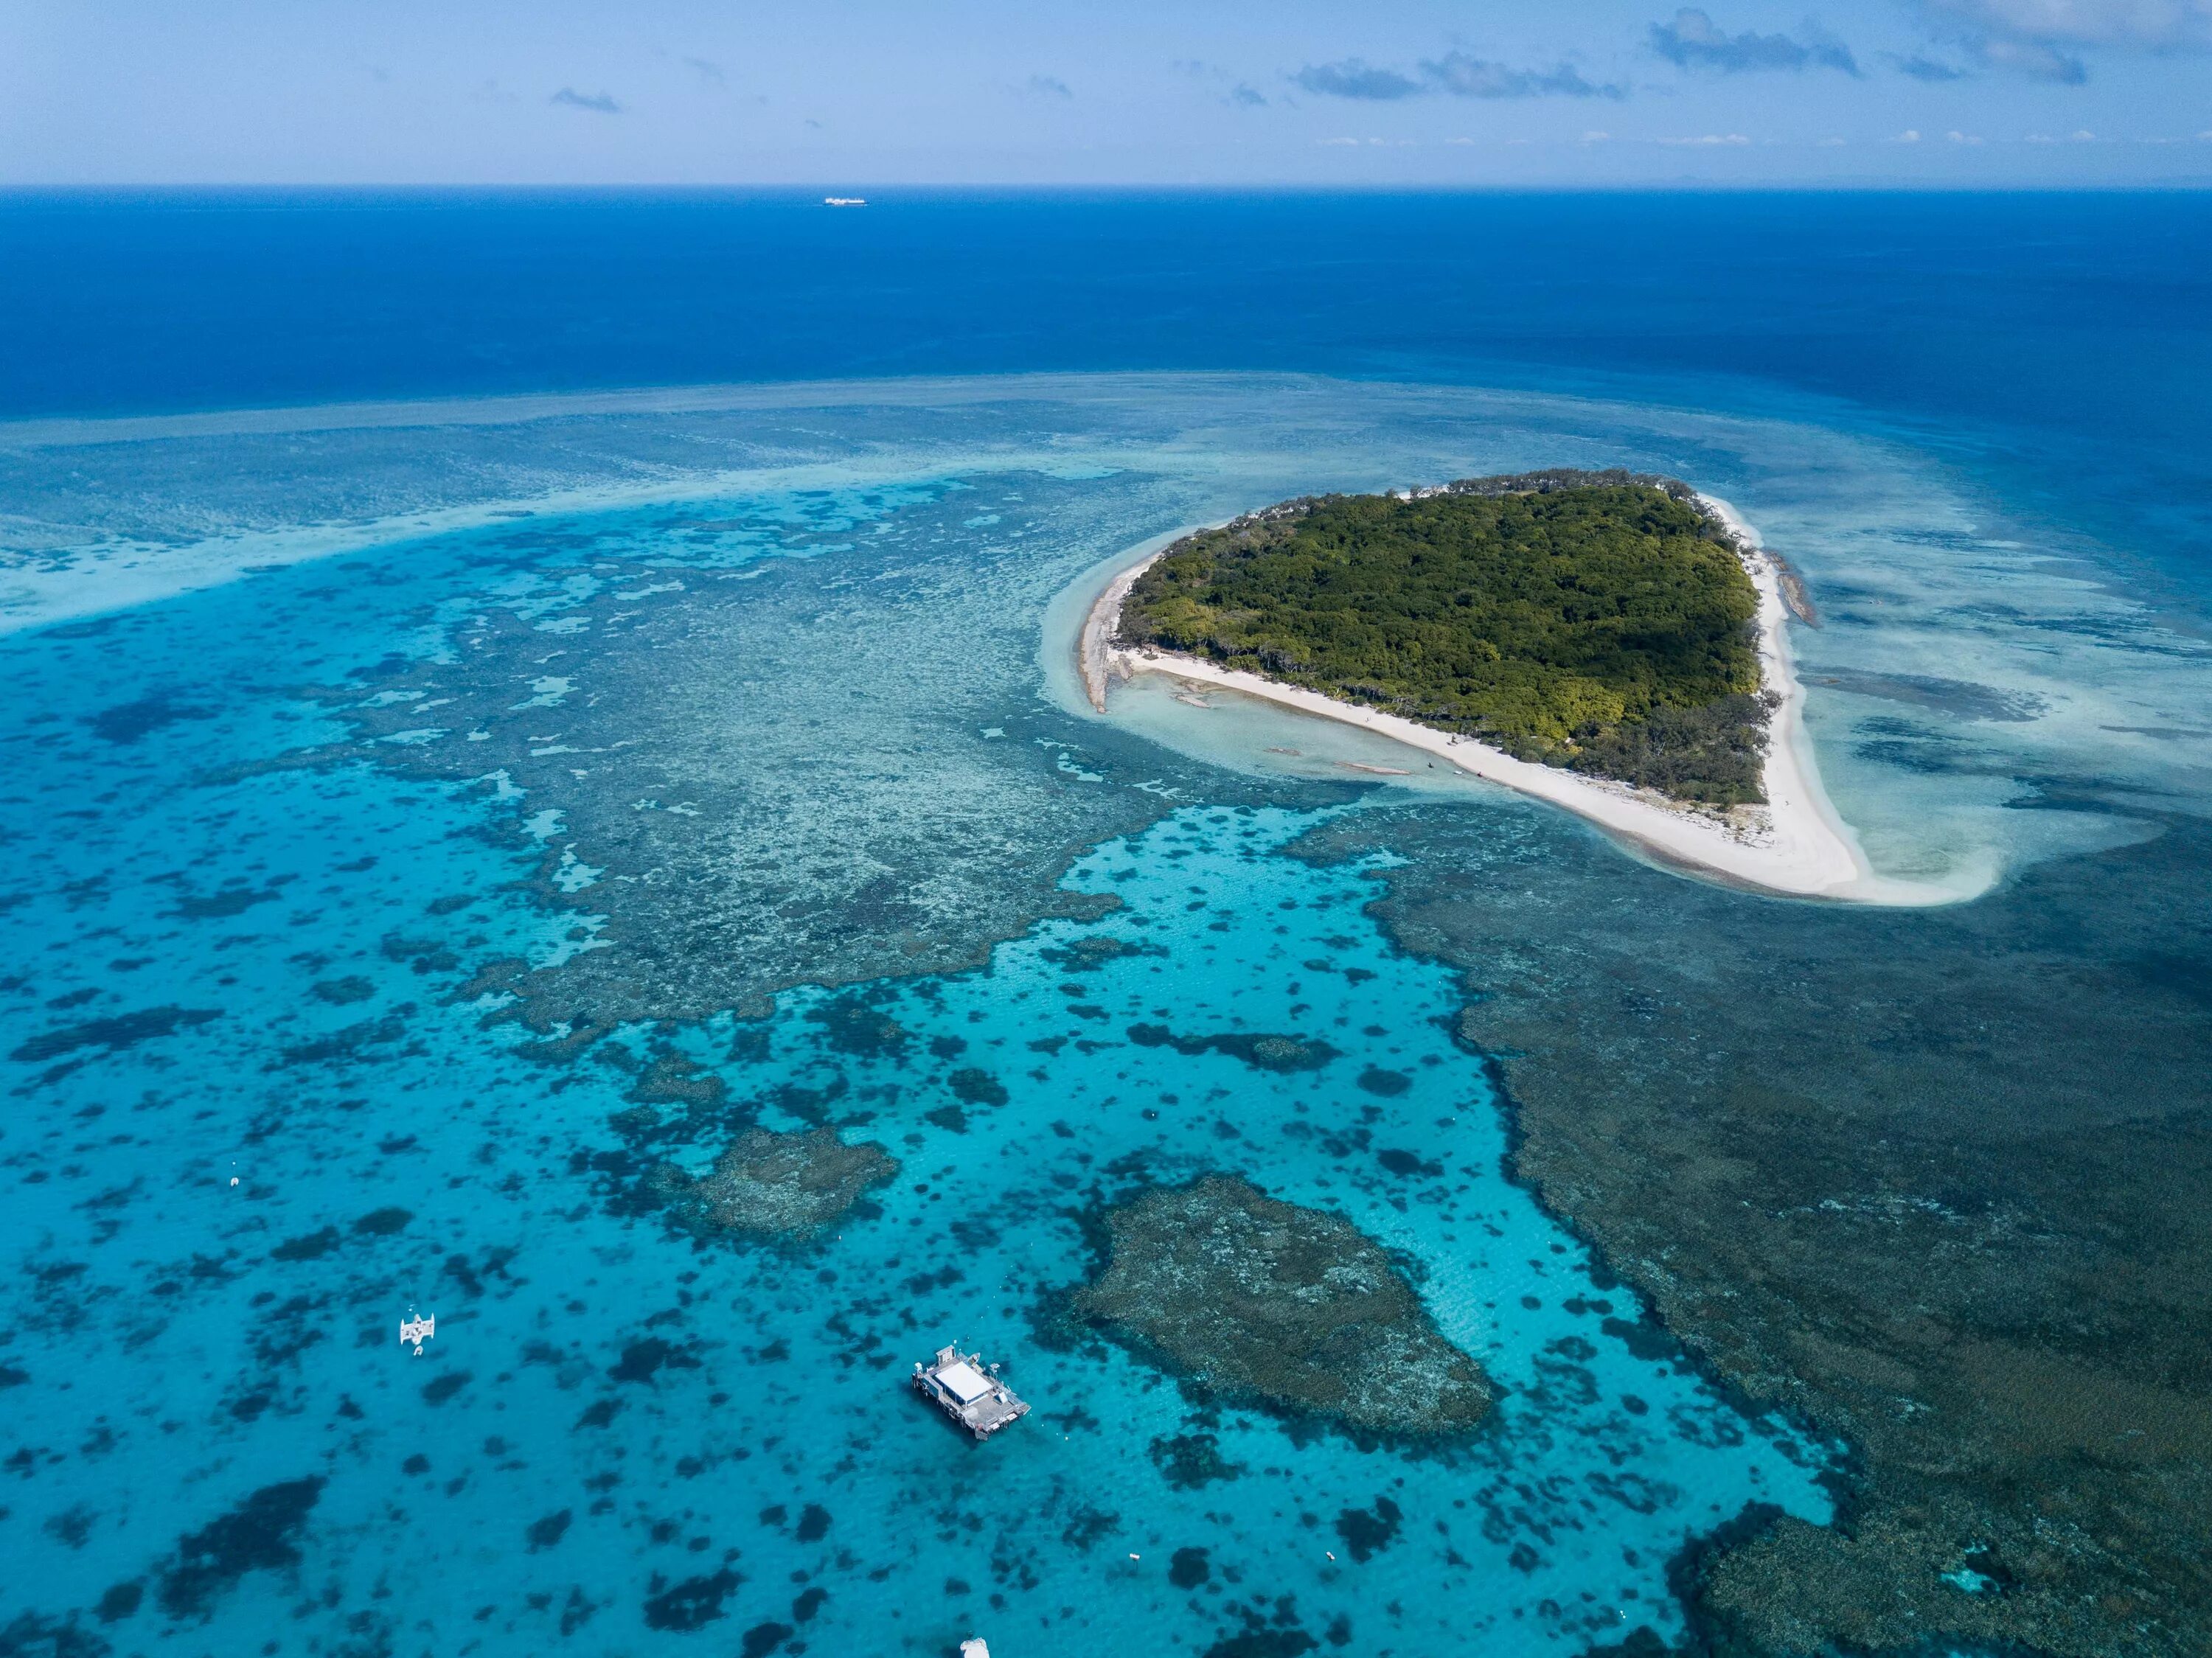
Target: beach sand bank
[[1797, 845]]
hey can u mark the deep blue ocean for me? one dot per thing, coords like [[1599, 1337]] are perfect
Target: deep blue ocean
[[502, 692]]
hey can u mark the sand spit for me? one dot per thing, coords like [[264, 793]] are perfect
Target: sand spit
[[1797, 845]]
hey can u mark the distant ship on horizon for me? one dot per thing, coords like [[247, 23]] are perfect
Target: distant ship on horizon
[[844, 201]]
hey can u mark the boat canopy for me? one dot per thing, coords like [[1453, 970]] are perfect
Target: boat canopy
[[964, 1382]]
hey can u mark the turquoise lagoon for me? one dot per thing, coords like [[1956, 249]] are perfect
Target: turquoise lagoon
[[740, 726]]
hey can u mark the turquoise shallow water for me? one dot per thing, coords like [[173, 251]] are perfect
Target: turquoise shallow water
[[684, 1405], [700, 735]]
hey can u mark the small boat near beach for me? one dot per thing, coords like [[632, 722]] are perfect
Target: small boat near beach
[[968, 1391]]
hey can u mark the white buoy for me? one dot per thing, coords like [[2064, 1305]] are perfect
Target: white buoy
[[974, 1647]]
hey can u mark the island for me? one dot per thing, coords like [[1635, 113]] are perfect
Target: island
[[1610, 641]]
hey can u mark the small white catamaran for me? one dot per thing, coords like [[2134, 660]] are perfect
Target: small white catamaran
[[968, 1391]]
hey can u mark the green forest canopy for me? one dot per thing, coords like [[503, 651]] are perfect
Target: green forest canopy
[[1604, 625]]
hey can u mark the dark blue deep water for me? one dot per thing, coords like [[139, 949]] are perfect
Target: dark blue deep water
[[2061, 314], [432, 836]]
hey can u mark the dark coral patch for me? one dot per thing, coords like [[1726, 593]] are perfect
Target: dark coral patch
[[975, 1087], [851, 1024], [1367, 1532], [221, 906], [692, 1604], [1187, 1462], [114, 1033], [439, 1389], [672, 1079], [311, 1247], [544, 1533], [1265, 1051], [1088, 1526], [1263, 1643], [642, 1360], [1408, 1162], [120, 1601], [261, 1534], [127, 722]]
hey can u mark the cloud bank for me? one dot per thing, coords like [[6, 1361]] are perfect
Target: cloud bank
[[1694, 41], [598, 103], [1456, 73], [2044, 39]]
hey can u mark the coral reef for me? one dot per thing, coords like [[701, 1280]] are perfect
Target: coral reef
[[770, 1185], [1257, 1299]]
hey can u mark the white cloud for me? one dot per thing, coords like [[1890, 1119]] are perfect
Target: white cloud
[[1710, 138], [1963, 137], [2085, 137], [1908, 136], [1595, 137], [2141, 25], [1694, 41], [2042, 38]]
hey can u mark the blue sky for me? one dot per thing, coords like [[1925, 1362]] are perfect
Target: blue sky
[[1388, 92]]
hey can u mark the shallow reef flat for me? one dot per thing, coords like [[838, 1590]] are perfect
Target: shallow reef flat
[[1935, 1183], [1257, 1299]]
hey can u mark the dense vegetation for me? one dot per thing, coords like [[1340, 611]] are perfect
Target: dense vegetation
[[1592, 620]]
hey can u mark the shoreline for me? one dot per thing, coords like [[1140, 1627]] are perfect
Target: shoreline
[[1797, 845]]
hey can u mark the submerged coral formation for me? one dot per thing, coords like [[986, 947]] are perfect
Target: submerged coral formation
[[1255, 1298], [770, 1185]]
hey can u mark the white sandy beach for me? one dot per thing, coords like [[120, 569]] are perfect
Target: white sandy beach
[[1797, 845]]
